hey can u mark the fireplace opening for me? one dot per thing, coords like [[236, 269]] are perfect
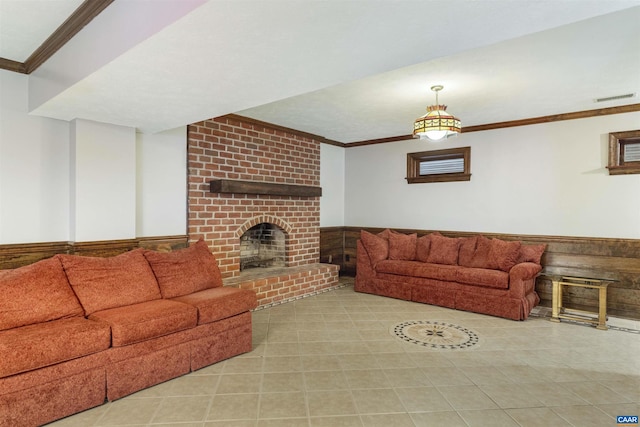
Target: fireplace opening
[[262, 246]]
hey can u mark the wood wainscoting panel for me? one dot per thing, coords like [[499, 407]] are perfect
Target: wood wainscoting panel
[[332, 246], [20, 254], [104, 248], [611, 258], [164, 243]]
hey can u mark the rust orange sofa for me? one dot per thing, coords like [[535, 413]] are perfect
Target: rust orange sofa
[[489, 276], [76, 331]]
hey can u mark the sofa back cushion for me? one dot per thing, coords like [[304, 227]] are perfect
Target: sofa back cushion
[[402, 246], [503, 255], [531, 253], [494, 254], [185, 271], [480, 255], [377, 247], [386, 233], [36, 293], [467, 250], [103, 283], [423, 244], [443, 250]]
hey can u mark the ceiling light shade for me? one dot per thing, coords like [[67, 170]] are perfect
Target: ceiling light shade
[[437, 123]]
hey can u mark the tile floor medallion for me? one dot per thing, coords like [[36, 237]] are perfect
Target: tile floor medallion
[[435, 335]]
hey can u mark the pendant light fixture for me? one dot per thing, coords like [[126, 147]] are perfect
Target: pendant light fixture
[[437, 123]]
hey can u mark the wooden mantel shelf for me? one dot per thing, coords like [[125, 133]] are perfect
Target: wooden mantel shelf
[[267, 188]]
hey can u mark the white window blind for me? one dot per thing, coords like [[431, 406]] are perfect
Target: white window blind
[[432, 167], [632, 152]]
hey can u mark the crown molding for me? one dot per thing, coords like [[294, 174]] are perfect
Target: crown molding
[[555, 118], [15, 66], [514, 123], [303, 134], [84, 14]]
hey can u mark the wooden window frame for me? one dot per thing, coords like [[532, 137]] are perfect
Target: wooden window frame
[[617, 141], [414, 160]]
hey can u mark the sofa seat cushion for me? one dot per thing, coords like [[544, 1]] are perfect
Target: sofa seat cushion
[[146, 320], [117, 281], [220, 303], [186, 270], [483, 277], [36, 346], [36, 293], [418, 269]]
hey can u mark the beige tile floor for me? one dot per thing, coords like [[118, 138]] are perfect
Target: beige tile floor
[[330, 360]]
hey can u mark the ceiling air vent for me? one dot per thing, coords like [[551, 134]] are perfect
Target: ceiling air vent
[[615, 98]]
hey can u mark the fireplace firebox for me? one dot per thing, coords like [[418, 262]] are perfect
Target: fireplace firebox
[[263, 246]]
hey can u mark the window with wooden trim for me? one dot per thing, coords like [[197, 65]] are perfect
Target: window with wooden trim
[[624, 152], [453, 164]]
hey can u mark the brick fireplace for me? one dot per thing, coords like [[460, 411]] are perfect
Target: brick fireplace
[[237, 150]]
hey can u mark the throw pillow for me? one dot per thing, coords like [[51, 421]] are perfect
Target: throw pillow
[[402, 246], [503, 255], [185, 271], [423, 244], [377, 247], [467, 250], [481, 254], [36, 293], [103, 283], [531, 253], [444, 250], [385, 234]]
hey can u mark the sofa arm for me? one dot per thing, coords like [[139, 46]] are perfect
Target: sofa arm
[[524, 271], [522, 279]]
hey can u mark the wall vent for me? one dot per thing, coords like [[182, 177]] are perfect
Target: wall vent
[[614, 98]]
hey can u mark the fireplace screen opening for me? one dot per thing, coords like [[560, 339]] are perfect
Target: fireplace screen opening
[[262, 246]]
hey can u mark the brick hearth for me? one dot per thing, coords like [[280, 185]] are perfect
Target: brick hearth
[[282, 284]]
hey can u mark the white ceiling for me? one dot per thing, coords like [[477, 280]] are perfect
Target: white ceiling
[[350, 70], [26, 24]]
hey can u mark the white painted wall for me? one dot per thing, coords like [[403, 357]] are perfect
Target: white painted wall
[[102, 181], [34, 169], [547, 179], [84, 180], [541, 179], [332, 160], [162, 183]]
